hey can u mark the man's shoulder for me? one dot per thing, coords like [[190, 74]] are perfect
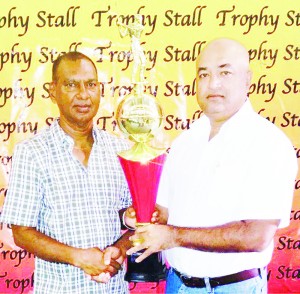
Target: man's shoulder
[[269, 139], [197, 128], [268, 130], [37, 142]]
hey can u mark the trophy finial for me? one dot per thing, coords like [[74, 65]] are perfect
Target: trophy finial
[[139, 115], [134, 31]]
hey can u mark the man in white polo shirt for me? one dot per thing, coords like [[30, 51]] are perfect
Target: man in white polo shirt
[[226, 187]]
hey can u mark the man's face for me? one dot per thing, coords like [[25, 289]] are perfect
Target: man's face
[[76, 92], [223, 80]]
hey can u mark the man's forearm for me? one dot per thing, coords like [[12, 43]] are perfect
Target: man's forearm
[[240, 236], [43, 246]]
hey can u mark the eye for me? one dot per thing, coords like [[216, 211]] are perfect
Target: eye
[[203, 75], [91, 85], [225, 73], [71, 85]]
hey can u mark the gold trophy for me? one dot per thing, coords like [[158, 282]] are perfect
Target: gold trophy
[[139, 116]]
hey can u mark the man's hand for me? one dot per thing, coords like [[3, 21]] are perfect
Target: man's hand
[[92, 262], [129, 217], [111, 255], [114, 253], [155, 238], [159, 216]]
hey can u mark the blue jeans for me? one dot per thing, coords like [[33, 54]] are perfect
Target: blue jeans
[[252, 286]]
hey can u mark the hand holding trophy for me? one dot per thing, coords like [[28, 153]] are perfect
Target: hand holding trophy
[[139, 116]]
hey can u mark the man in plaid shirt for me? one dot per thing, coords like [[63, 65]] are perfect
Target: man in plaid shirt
[[67, 188]]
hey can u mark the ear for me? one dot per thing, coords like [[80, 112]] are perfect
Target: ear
[[249, 78], [52, 92]]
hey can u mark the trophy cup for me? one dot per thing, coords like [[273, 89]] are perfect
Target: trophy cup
[[139, 116]]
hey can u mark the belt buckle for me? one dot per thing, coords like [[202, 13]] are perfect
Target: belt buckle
[[192, 282], [213, 283], [184, 279]]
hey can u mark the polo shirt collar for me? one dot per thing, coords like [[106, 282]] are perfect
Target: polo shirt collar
[[64, 139], [239, 118]]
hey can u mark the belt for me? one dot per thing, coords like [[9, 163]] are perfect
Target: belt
[[217, 281]]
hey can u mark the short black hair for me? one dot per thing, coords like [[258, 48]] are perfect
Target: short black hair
[[72, 55]]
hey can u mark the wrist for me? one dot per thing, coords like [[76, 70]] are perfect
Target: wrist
[[123, 243], [175, 237], [75, 257]]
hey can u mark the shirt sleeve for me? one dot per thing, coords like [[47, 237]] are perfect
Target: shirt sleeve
[[23, 199], [270, 187], [164, 192]]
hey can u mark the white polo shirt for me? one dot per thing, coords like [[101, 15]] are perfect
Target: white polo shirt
[[246, 171]]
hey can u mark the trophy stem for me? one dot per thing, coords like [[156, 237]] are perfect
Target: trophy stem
[[141, 224], [141, 152]]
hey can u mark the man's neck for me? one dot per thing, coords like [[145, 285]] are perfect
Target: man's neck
[[82, 136], [215, 128]]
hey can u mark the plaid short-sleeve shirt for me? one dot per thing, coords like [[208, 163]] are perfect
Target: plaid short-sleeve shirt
[[49, 189]]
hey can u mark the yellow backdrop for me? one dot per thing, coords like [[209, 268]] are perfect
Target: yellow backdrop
[[34, 33]]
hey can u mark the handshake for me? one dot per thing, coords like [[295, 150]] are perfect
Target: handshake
[[113, 256]]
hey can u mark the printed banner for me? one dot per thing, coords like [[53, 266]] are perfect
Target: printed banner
[[34, 33]]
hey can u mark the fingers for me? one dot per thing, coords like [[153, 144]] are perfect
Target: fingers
[[155, 217], [113, 253], [112, 258], [107, 255], [147, 237], [141, 229], [110, 270], [130, 211], [102, 278], [96, 261], [129, 218], [143, 256], [155, 213], [139, 248], [141, 235], [134, 249], [140, 245], [113, 266]]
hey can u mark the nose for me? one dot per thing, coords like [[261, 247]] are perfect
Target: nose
[[214, 82], [83, 93]]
